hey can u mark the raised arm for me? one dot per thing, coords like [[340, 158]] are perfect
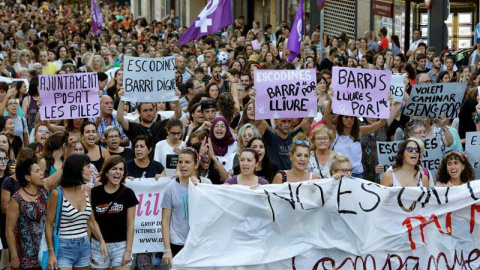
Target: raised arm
[[369, 129], [327, 115], [120, 118]]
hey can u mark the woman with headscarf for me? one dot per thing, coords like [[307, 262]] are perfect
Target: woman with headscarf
[[223, 143]]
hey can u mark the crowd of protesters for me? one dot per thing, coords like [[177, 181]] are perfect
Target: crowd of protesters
[[209, 136]]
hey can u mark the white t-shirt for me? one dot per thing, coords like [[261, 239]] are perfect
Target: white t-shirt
[[165, 155]]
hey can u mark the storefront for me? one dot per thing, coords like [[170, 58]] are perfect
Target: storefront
[[461, 22]]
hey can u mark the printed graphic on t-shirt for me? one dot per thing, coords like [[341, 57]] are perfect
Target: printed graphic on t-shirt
[[172, 161], [115, 209]]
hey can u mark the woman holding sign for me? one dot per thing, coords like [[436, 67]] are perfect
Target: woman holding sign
[[348, 137], [454, 170], [166, 151], [113, 205], [407, 171]]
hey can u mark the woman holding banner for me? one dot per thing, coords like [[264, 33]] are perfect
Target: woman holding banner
[[407, 172], [113, 205], [454, 170], [348, 137], [299, 155], [175, 226]]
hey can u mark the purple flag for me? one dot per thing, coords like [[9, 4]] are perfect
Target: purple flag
[[295, 38], [216, 15], [97, 19]]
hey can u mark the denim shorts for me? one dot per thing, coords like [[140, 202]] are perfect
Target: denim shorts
[[115, 255], [74, 253]]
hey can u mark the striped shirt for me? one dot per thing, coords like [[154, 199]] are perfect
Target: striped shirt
[[74, 223]]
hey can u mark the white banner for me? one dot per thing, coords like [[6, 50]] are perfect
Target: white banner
[[397, 87], [387, 151], [329, 224], [472, 150], [148, 214], [149, 79]]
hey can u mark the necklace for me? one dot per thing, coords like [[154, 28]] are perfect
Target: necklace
[[30, 194]]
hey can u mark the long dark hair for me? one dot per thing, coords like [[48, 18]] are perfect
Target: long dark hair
[[109, 164], [72, 175], [467, 174], [401, 150], [267, 165], [355, 133]]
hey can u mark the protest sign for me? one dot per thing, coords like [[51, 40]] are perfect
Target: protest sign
[[361, 92], [397, 87], [387, 151], [149, 79], [69, 96], [285, 94], [347, 224], [436, 100], [148, 214], [472, 150]]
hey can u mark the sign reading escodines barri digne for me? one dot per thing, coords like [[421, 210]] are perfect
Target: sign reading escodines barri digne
[[69, 96], [436, 100], [347, 224], [148, 213], [285, 94], [149, 79]]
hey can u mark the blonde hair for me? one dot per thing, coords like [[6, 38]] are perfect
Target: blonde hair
[[336, 159], [322, 128], [300, 137]]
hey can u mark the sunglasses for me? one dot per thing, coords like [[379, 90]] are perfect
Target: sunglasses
[[300, 142], [411, 149]]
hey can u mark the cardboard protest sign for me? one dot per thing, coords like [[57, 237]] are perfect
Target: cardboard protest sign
[[436, 100], [285, 93], [387, 151], [472, 150], [148, 215], [69, 96], [397, 87], [346, 224], [361, 92], [149, 79]]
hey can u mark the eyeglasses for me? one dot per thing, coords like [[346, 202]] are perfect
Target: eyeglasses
[[321, 139], [344, 170], [300, 142], [42, 131], [423, 132], [4, 160], [113, 136], [427, 81], [411, 149], [176, 134]]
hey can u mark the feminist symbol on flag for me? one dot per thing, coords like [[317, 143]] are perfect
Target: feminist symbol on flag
[[203, 22], [299, 30]]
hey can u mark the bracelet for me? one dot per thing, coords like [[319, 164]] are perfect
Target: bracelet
[[167, 250], [476, 118], [50, 249]]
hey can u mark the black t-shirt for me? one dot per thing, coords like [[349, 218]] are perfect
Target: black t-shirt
[[127, 154], [153, 169], [156, 131], [113, 222], [279, 149]]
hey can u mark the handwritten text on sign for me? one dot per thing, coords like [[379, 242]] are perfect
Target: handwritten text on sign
[[149, 79], [361, 92], [387, 151], [285, 94], [397, 87], [69, 96], [472, 149], [363, 226], [436, 100], [148, 215]]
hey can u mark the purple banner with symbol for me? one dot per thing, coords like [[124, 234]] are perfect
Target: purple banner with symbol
[[361, 92], [69, 96], [285, 94]]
